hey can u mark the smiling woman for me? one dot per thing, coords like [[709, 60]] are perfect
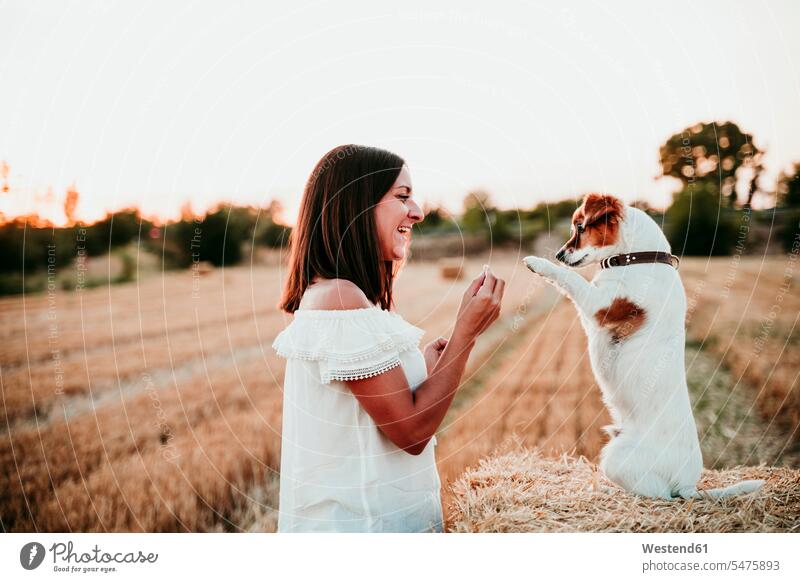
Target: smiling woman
[[361, 401], [337, 233]]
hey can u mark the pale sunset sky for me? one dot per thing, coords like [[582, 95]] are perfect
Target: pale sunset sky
[[158, 103]]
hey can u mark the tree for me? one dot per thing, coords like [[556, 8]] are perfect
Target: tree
[[275, 211], [115, 230], [273, 235], [712, 153], [481, 216], [269, 230], [435, 216], [216, 237], [222, 234], [788, 191], [791, 232], [551, 212], [697, 225], [124, 227], [478, 211]]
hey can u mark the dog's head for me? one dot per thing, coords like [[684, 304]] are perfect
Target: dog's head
[[596, 231]]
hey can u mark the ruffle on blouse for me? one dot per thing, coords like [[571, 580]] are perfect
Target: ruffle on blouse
[[348, 344]]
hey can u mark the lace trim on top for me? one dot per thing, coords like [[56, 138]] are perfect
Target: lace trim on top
[[360, 373], [348, 344]]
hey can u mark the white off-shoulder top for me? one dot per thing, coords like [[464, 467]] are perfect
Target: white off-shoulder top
[[339, 472]]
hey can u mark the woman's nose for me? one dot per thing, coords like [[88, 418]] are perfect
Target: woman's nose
[[415, 212]]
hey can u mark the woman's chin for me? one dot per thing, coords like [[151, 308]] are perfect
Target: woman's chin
[[396, 255], [400, 251]]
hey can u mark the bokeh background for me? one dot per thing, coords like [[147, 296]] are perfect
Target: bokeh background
[[152, 159]]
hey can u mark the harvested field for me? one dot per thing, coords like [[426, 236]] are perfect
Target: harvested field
[[746, 312], [542, 393], [156, 406]]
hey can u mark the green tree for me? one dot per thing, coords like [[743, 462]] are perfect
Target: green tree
[[712, 154], [273, 235], [481, 216], [696, 224], [435, 217], [177, 243], [223, 232], [115, 230], [788, 191], [548, 213], [217, 237], [269, 231], [123, 227], [478, 212], [791, 232]]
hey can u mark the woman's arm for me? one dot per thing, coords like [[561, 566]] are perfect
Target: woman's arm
[[409, 419]]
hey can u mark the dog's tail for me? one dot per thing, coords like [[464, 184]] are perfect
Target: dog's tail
[[741, 488]]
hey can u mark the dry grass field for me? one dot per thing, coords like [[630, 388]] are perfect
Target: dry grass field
[[525, 491], [156, 406]]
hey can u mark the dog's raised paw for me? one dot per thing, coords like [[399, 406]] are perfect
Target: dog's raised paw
[[538, 265]]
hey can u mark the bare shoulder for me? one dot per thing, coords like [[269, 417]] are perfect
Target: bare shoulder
[[335, 294]]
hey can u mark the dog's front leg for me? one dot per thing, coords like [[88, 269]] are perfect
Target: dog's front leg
[[586, 296]]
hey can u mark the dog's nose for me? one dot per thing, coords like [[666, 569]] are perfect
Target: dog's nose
[[560, 255]]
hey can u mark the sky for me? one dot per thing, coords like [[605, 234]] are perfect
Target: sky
[[155, 104]]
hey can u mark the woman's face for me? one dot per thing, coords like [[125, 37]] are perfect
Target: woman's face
[[395, 214]]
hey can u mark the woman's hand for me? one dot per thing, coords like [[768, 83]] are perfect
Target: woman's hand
[[480, 306], [432, 352]]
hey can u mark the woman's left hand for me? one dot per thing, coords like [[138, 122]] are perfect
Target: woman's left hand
[[433, 351]]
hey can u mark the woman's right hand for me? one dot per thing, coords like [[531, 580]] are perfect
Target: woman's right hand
[[480, 306]]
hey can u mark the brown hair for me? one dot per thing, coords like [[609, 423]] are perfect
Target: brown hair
[[335, 236]]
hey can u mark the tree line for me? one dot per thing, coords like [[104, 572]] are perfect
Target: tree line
[[717, 165], [719, 171], [27, 245]]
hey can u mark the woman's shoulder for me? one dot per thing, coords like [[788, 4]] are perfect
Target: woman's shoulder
[[335, 295], [345, 333]]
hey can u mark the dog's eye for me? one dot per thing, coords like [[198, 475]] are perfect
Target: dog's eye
[[579, 227]]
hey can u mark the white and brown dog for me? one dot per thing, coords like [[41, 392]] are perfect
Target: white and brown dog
[[633, 313]]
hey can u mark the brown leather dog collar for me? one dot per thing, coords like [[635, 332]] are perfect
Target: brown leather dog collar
[[643, 257]]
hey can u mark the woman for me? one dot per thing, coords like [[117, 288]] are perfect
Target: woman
[[361, 401]]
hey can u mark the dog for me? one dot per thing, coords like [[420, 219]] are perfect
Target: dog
[[633, 313]]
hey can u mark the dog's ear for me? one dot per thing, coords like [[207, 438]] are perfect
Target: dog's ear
[[597, 206]]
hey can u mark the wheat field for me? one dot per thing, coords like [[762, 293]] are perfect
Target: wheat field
[[156, 406]]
